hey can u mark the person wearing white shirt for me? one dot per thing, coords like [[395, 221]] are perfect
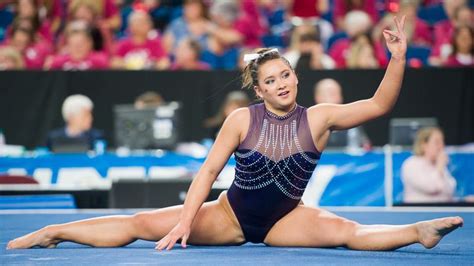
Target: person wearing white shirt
[[425, 176]]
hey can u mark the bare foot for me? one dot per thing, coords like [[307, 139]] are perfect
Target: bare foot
[[432, 231], [40, 238]]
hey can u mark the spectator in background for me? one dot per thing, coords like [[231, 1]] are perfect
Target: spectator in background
[[233, 101], [418, 31], [106, 12], [356, 23], [88, 12], [307, 8], [10, 59], [142, 49], [361, 53], [193, 24], [23, 40], [329, 91], [77, 113], [80, 55], [161, 12], [30, 10], [223, 40], [311, 54], [463, 48], [459, 14], [250, 24], [149, 99], [187, 56], [52, 13], [343, 7], [425, 176], [307, 17]]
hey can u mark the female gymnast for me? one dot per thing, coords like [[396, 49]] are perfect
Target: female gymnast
[[277, 145]]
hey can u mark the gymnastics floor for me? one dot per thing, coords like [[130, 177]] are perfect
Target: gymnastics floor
[[455, 249]]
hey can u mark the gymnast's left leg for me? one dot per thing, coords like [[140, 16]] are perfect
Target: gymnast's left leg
[[313, 227]]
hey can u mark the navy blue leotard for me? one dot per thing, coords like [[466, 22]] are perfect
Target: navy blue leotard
[[273, 166]]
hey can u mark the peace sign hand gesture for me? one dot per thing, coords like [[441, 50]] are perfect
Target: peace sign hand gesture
[[396, 40]]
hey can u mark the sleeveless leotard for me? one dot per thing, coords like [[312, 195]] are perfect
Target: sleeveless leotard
[[273, 166]]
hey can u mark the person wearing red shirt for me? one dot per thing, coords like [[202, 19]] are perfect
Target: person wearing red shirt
[[459, 14], [80, 54], [307, 8], [108, 12], [342, 7], [250, 24], [463, 48], [356, 23], [142, 49], [23, 40]]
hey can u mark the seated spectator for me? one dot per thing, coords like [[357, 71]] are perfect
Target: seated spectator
[[463, 48], [187, 56], [52, 13], [86, 15], [77, 113], [356, 23], [149, 99], [329, 91], [307, 8], [459, 14], [311, 54], [425, 176], [193, 24], [222, 52], [142, 49], [30, 10], [106, 12], [343, 7], [10, 59], [233, 101], [23, 40], [80, 55], [161, 12], [361, 53], [250, 24], [273, 14], [418, 32]]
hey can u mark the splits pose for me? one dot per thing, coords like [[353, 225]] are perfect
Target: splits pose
[[277, 145]]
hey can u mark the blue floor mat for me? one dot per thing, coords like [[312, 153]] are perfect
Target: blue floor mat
[[455, 249]]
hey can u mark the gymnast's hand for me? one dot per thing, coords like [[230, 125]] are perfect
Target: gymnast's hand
[[396, 40], [180, 231]]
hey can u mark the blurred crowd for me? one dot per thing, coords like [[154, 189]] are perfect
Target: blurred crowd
[[214, 34]]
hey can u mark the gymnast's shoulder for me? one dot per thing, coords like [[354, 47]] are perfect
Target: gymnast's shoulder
[[239, 118]]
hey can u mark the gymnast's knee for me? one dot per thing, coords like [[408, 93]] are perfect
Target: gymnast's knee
[[350, 231], [140, 219]]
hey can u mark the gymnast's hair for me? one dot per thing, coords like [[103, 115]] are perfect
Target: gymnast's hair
[[250, 72]]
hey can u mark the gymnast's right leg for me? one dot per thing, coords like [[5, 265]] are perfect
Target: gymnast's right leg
[[214, 225]]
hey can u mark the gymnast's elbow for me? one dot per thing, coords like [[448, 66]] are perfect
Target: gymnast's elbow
[[380, 108]]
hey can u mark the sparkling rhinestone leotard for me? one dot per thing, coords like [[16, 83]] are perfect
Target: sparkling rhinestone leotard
[[273, 166]]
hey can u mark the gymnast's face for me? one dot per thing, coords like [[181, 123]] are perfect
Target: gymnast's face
[[277, 85]]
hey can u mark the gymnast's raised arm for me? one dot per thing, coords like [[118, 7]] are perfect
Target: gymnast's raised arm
[[345, 116], [226, 142]]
